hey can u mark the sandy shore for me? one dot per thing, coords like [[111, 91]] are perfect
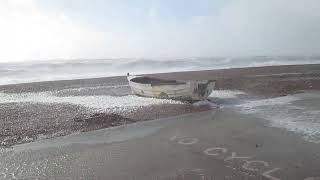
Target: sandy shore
[[27, 121], [94, 129]]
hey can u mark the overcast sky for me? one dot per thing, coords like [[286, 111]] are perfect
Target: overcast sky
[[71, 29]]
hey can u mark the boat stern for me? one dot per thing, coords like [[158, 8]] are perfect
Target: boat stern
[[202, 89]]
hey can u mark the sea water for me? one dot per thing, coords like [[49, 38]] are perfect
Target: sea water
[[12, 73]]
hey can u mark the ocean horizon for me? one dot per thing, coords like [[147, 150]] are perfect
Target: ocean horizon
[[37, 71]]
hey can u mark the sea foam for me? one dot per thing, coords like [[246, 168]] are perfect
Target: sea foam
[[113, 104], [289, 112]]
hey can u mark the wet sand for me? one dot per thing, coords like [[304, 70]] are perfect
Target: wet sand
[[218, 144]]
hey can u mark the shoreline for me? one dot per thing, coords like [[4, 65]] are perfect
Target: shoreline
[[218, 74], [52, 116]]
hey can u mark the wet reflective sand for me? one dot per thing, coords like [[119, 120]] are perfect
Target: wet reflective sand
[[218, 144]]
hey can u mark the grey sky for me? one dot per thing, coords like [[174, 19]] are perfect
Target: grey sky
[[59, 29]]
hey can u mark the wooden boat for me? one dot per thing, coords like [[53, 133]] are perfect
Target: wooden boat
[[170, 89]]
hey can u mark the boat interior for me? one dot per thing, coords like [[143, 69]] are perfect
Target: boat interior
[[155, 81]]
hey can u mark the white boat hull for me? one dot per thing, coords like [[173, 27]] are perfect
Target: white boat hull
[[190, 90]]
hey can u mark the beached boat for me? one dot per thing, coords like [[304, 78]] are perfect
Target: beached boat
[[170, 89]]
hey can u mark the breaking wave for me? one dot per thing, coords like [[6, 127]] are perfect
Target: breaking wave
[[13, 73]]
